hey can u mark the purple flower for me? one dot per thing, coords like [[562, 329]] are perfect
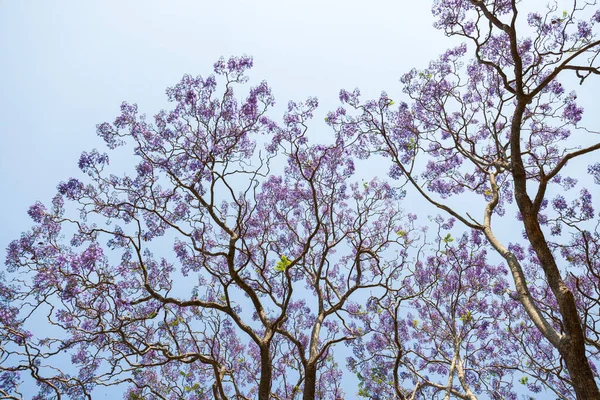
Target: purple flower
[[92, 160], [572, 113], [37, 212], [584, 30], [594, 170], [73, 189]]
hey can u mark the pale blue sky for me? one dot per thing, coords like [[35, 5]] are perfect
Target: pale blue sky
[[67, 65]]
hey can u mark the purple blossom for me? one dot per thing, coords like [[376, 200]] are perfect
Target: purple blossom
[[584, 29], [572, 113], [594, 170], [587, 211], [559, 203], [92, 160], [37, 212], [72, 189]]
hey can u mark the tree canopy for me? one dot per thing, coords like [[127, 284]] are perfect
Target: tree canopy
[[241, 258]]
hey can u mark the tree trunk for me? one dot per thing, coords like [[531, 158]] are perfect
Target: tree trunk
[[572, 344], [310, 381], [266, 372], [310, 368]]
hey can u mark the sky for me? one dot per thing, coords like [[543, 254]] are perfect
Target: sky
[[67, 65]]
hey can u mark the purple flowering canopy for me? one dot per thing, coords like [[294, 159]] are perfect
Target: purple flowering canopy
[[492, 121], [240, 259]]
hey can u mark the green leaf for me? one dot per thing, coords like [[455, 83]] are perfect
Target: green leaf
[[195, 387], [524, 380], [401, 233], [466, 317], [282, 264], [448, 239]]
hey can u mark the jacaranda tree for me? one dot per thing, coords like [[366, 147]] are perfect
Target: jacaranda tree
[[203, 274], [493, 121], [241, 259]]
